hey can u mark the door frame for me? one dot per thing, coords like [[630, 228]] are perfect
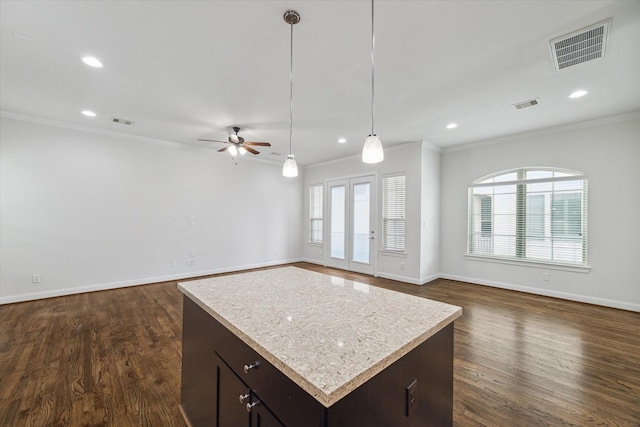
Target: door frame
[[348, 264]]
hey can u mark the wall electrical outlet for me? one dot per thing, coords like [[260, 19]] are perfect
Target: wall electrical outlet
[[546, 277], [174, 264], [412, 397], [35, 278]]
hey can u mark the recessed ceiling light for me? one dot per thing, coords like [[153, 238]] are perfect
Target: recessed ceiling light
[[89, 113], [342, 140], [92, 62], [452, 125], [578, 94]]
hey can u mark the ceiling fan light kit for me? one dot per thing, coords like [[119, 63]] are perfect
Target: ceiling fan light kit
[[372, 151], [237, 144]]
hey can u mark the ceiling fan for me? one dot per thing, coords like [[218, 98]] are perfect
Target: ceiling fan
[[237, 144]]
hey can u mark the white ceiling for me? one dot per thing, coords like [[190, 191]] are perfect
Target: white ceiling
[[184, 70]]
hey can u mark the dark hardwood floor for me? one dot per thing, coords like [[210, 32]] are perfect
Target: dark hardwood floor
[[113, 358]]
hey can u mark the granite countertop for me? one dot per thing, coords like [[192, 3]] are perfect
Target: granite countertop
[[327, 334]]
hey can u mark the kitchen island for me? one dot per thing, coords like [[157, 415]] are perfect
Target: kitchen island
[[292, 347]]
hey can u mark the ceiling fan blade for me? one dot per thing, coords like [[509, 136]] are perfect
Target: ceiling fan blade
[[251, 150], [225, 148], [213, 140], [261, 144]]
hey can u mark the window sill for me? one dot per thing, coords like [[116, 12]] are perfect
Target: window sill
[[532, 264], [398, 254], [318, 244]]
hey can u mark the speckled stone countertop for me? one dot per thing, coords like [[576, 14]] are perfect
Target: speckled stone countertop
[[327, 334]]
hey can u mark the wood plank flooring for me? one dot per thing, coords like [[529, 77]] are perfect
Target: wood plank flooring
[[113, 358]]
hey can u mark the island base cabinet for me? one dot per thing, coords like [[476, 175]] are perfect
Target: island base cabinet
[[199, 374], [213, 381], [211, 391], [382, 401]]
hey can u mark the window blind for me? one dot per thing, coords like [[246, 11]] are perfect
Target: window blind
[[315, 214], [393, 213], [530, 214]]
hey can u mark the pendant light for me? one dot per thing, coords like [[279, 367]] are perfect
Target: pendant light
[[290, 168], [372, 151]]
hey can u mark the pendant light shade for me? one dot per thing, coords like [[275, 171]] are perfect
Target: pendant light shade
[[372, 151], [290, 168]]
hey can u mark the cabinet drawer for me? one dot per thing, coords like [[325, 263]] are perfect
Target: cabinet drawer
[[293, 405]]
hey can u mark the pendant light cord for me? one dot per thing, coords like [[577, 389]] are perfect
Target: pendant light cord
[[373, 46], [291, 93]]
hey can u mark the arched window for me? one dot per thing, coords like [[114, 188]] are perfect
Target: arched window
[[529, 214]]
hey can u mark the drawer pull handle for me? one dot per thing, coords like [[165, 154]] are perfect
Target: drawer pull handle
[[251, 405], [247, 368], [244, 397]]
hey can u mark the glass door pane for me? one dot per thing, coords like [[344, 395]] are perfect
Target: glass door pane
[[361, 219], [337, 222]]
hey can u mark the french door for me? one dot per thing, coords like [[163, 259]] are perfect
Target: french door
[[351, 224]]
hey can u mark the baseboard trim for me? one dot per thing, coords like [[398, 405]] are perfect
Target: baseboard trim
[[426, 279], [399, 278], [135, 282], [313, 261], [623, 305], [391, 276]]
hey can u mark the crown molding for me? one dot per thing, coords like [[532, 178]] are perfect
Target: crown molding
[[546, 131], [117, 134], [358, 155]]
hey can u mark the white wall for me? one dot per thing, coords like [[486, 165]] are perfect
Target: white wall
[[405, 158], [92, 211], [430, 214], [608, 151]]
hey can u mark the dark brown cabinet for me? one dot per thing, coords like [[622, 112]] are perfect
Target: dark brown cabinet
[[262, 417], [237, 404], [230, 410], [219, 370]]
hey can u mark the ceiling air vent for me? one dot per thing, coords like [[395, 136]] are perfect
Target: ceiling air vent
[[580, 46], [526, 104], [123, 121]]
